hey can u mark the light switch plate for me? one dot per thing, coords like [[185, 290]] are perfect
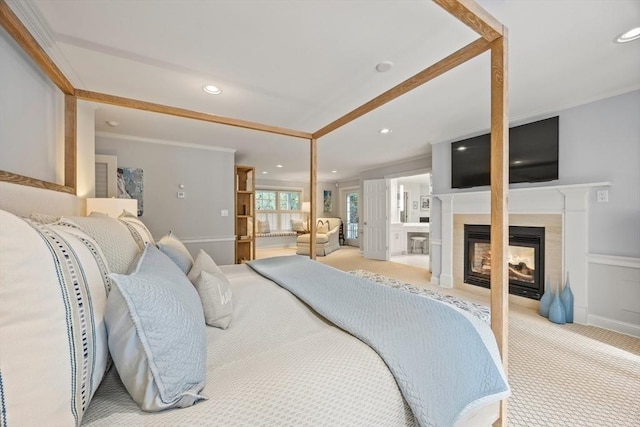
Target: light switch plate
[[602, 196], [224, 212]]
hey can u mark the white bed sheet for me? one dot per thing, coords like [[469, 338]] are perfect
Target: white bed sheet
[[277, 364]]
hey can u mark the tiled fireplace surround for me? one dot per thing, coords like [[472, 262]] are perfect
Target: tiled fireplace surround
[[562, 210]]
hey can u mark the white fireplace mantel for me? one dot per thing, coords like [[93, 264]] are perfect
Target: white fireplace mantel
[[570, 201]]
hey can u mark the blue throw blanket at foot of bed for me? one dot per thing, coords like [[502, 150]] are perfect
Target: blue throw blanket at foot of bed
[[446, 362]]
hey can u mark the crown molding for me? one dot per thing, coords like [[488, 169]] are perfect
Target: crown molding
[[29, 14], [121, 137]]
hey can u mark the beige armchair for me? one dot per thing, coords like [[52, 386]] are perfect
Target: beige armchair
[[325, 242]]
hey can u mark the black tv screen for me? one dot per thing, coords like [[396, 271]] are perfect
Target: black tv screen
[[533, 155]]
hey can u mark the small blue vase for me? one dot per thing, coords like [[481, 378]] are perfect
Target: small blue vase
[[545, 299], [556, 309], [567, 300]]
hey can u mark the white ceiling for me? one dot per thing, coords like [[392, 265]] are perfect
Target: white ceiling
[[300, 64]]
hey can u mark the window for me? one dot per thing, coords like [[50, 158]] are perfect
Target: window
[[352, 215], [278, 207]]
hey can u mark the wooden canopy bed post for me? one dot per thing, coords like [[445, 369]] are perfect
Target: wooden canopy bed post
[[313, 176], [499, 200]]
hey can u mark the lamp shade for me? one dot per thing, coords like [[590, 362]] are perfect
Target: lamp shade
[[112, 206], [306, 206]]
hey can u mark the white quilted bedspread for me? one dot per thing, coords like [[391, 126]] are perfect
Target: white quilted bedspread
[[278, 364]]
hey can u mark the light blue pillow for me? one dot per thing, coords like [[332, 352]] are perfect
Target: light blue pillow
[[156, 334], [171, 246]]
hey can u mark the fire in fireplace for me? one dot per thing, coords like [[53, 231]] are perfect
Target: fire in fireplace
[[526, 259]]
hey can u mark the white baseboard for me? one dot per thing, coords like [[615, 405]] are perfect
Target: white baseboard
[[615, 325], [435, 280], [446, 281]]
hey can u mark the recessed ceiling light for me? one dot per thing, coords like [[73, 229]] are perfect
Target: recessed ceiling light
[[462, 148], [334, 171], [278, 166], [632, 34], [264, 172], [112, 123], [384, 66], [385, 131], [212, 89]]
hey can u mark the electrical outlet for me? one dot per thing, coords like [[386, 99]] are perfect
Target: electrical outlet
[[224, 212], [602, 196], [181, 194]]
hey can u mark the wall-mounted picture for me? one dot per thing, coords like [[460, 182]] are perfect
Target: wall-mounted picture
[[425, 203], [326, 201], [130, 185]]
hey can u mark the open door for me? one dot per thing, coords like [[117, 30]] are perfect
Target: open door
[[375, 206]]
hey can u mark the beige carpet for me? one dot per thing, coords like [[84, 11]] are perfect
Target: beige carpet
[[560, 375]]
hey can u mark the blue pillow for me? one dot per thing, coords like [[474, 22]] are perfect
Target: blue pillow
[[156, 333]]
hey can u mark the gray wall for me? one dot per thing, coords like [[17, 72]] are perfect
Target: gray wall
[[208, 179], [599, 142], [31, 117]]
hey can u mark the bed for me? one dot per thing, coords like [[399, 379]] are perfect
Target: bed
[[493, 37], [280, 361]]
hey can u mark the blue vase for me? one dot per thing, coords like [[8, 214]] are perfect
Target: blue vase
[[556, 309], [545, 300], [567, 300]]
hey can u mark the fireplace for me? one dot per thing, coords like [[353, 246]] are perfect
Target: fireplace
[[526, 259]]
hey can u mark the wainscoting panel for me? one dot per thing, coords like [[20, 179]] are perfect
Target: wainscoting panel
[[221, 249], [614, 293]]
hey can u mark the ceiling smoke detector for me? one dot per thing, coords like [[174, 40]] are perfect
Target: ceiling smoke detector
[[384, 66]]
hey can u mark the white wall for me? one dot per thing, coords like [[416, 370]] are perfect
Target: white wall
[[31, 117], [599, 142], [208, 179]]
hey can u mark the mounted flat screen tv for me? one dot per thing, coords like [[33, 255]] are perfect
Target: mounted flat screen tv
[[533, 155]]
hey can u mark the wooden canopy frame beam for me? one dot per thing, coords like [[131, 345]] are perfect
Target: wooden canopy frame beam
[[493, 36]]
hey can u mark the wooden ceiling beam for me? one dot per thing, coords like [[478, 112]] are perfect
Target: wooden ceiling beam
[[461, 56], [181, 112], [28, 43], [475, 17]]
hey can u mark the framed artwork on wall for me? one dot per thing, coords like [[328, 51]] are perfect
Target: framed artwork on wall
[[326, 201], [130, 185], [425, 203]]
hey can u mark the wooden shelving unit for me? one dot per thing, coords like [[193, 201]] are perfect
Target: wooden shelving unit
[[245, 213]]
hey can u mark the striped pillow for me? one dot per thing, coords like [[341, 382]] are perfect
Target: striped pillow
[[138, 230], [54, 353]]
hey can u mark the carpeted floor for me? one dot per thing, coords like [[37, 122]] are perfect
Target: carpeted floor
[[560, 375]]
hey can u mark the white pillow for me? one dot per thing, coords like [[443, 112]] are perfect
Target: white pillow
[[263, 226], [322, 227], [138, 230], [157, 334], [298, 225], [203, 262], [216, 297], [53, 348], [171, 246], [112, 236]]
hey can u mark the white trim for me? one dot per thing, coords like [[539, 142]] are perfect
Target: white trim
[[527, 189], [32, 19], [110, 135], [614, 325], [618, 261], [436, 242], [435, 280], [209, 239]]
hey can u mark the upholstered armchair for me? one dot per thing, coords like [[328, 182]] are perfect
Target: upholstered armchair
[[327, 237]]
